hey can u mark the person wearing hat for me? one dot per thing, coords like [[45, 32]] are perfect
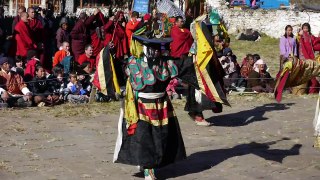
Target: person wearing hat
[[149, 133], [14, 92], [259, 79], [62, 34]]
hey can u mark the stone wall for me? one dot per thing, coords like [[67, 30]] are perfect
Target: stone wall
[[269, 22]]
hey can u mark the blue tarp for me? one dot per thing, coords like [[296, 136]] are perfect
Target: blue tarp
[[270, 4]]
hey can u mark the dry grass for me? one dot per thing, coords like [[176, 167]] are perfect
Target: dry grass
[[267, 48], [65, 110]]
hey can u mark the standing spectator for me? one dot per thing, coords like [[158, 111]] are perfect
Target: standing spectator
[[117, 39], [14, 91], [37, 34], [21, 10], [307, 44], [288, 46], [189, 18], [97, 34], [80, 34], [23, 37], [132, 25], [46, 18], [62, 34], [181, 40]]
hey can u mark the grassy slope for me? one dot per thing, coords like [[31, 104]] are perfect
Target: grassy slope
[[267, 48]]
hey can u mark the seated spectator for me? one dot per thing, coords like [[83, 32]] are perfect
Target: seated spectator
[[58, 82], [256, 57], [218, 45], [32, 63], [19, 67], [42, 89], [259, 79], [76, 92], [245, 70], [246, 59], [226, 42], [231, 68], [85, 78], [14, 91], [61, 54], [87, 56]]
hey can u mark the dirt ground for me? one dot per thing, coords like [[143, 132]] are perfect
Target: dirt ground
[[255, 139]]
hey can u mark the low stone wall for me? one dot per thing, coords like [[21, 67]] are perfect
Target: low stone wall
[[270, 22]]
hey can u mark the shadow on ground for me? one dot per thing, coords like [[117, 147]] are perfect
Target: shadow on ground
[[205, 160], [246, 117]]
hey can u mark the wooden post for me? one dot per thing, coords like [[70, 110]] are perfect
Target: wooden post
[[81, 3]]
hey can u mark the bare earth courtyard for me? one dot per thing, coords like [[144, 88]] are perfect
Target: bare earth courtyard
[[255, 139]]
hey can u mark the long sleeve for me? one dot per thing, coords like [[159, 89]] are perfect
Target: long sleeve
[[107, 26], [24, 35], [316, 43], [283, 50], [59, 37], [14, 23], [295, 46], [22, 86], [90, 20], [253, 79], [78, 32], [57, 58]]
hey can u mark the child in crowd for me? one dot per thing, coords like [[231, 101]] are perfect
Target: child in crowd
[[218, 45], [19, 66], [77, 94], [84, 77], [58, 82], [32, 63], [245, 70], [42, 89], [230, 65]]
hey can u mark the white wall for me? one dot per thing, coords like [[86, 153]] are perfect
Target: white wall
[[270, 22]]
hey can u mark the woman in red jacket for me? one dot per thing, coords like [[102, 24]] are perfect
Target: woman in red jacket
[[307, 46]]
